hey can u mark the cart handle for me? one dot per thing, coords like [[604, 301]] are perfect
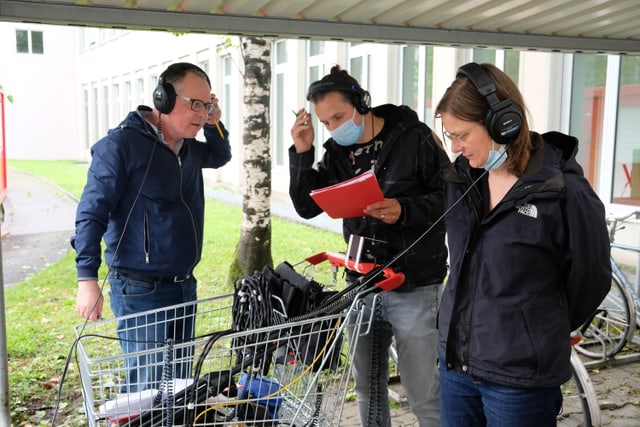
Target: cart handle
[[391, 281]]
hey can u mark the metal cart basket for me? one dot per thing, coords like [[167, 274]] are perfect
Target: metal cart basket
[[294, 373]]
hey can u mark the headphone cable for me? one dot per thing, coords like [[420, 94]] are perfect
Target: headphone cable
[[395, 258]]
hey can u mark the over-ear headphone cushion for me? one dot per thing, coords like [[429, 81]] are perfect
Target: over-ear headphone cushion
[[503, 118], [361, 99], [504, 122], [164, 96]]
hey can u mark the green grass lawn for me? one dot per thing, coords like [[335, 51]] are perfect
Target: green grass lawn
[[41, 316]]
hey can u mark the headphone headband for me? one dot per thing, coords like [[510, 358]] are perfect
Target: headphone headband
[[503, 119], [360, 98], [330, 85]]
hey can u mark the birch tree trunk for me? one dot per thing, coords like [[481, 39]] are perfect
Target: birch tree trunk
[[254, 247]]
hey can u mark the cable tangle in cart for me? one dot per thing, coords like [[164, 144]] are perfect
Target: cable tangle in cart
[[271, 353]]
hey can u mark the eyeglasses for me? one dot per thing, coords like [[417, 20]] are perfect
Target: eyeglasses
[[457, 138], [198, 105]]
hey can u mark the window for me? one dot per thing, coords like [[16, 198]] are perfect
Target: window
[[128, 96], [512, 64], [280, 89], [117, 102], [205, 67], [86, 105], [587, 109], [152, 82], [417, 80], [22, 41], [105, 125], [202, 60], [316, 47], [410, 76], [506, 60], [96, 119], [482, 56], [29, 42], [316, 69], [37, 44], [227, 85], [281, 52], [626, 167], [141, 94], [359, 69]]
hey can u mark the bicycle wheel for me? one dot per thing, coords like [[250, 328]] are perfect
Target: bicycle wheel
[[612, 325], [580, 405]]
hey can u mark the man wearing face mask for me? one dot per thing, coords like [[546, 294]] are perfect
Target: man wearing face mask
[[406, 158]]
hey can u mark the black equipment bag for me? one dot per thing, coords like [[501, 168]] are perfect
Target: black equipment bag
[[297, 295]]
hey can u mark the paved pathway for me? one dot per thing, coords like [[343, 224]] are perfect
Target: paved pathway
[[38, 222]]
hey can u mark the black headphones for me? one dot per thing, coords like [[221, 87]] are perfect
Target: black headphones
[[360, 98], [164, 95], [504, 118]]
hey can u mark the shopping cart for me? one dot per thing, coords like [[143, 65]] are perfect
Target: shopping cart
[[292, 373]]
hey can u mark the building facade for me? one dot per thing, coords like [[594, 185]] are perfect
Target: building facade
[[70, 85]]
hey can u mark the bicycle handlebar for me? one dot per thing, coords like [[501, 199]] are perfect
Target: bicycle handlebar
[[613, 222], [391, 281]]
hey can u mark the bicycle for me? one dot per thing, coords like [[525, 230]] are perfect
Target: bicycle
[[613, 324], [579, 398]]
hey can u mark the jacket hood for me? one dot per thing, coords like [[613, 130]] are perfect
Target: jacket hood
[[136, 120], [401, 114], [568, 146]]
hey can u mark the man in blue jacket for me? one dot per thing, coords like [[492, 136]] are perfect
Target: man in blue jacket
[[145, 196]]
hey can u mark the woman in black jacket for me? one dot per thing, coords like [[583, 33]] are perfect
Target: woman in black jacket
[[529, 257]]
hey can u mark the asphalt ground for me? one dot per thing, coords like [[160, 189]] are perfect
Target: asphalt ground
[[39, 220], [38, 223]]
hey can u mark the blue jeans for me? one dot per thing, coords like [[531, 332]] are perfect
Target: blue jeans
[[410, 316], [466, 401], [149, 331]]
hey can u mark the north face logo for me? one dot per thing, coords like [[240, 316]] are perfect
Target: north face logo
[[527, 210]]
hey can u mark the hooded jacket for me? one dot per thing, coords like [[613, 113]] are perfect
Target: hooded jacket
[[525, 274], [145, 200], [408, 169]]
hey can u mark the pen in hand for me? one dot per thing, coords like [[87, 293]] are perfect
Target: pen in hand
[[216, 122], [219, 130], [296, 114]]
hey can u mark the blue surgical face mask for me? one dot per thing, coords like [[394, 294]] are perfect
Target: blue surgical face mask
[[348, 133], [496, 158]]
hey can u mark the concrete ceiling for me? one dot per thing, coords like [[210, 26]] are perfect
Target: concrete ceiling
[[611, 26]]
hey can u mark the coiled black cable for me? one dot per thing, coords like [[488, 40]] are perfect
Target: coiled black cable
[[376, 394], [314, 421], [252, 307], [167, 380]]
